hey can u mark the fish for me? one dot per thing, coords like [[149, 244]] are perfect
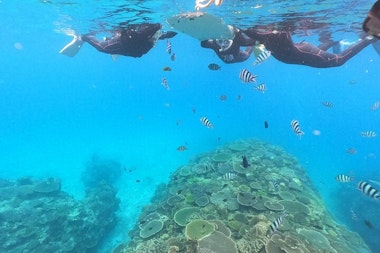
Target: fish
[[368, 190], [275, 185], [181, 148], [296, 127], [167, 68], [173, 57], [277, 223], [263, 56], [194, 110], [328, 104], [344, 178], [168, 47], [351, 151], [206, 122], [223, 97], [239, 97], [261, 87], [214, 66], [368, 224], [247, 76], [229, 176], [266, 124], [375, 106], [164, 82], [368, 134], [245, 162]]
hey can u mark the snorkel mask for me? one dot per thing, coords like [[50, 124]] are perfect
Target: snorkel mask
[[224, 44]]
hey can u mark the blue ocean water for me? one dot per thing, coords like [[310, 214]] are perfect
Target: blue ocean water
[[57, 112]]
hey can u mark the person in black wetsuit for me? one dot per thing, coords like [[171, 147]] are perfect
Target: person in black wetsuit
[[283, 48], [229, 50], [134, 40]]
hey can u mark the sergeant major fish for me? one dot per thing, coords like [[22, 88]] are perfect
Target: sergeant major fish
[[206, 122], [264, 55], [344, 178], [247, 76], [276, 223], [368, 190], [296, 128]]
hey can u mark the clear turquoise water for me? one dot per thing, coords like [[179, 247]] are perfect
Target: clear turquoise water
[[56, 112]]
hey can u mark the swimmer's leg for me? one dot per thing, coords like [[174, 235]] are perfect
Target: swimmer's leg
[[73, 47]]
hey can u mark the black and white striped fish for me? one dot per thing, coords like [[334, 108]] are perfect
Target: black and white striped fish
[[368, 190], [168, 47], [247, 76], [276, 223], [206, 122], [275, 185], [368, 134], [344, 178], [164, 83], [296, 127], [264, 55], [261, 87], [328, 104], [229, 176]]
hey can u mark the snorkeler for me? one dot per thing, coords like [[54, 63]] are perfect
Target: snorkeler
[[371, 24], [135, 41], [228, 50], [283, 48]]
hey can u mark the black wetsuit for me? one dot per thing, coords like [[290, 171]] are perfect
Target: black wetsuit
[[233, 53], [283, 49], [135, 41]]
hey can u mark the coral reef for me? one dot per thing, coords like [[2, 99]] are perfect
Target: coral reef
[[198, 229], [210, 213], [36, 216]]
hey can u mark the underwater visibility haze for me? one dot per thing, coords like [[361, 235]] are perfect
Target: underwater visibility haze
[[179, 150]]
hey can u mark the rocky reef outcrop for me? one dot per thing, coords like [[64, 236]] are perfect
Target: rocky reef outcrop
[[216, 205], [36, 216]]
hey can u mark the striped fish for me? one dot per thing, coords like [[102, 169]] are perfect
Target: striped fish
[[276, 223], [275, 185], [344, 178], [264, 55], [368, 190], [181, 148], [229, 176], [206, 122], [168, 47], [368, 134], [262, 87], [164, 83], [328, 104], [296, 128], [247, 76]]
